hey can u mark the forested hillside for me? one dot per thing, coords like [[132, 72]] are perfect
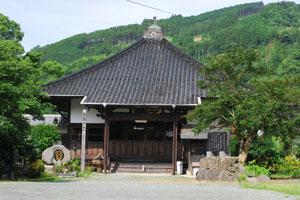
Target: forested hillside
[[274, 29]]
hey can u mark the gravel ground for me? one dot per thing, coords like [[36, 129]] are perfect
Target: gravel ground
[[120, 186]]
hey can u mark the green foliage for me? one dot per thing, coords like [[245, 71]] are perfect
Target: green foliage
[[290, 166], [296, 147], [234, 146], [287, 187], [84, 62], [36, 170], [9, 30], [43, 136], [52, 70], [59, 169], [242, 177], [73, 165], [266, 151], [271, 28], [254, 170], [19, 93], [103, 43], [87, 172], [68, 167], [245, 96]]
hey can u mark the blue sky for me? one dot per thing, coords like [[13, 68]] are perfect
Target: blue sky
[[48, 21]]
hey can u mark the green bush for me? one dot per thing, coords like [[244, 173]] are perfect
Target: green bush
[[36, 169], [266, 151], [73, 165], [43, 136], [87, 172], [252, 169], [59, 169], [289, 166], [242, 177]]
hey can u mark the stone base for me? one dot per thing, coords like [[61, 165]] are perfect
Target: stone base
[[219, 169], [215, 175], [49, 168], [67, 175]]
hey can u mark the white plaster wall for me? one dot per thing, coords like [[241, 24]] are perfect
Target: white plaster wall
[[76, 113]]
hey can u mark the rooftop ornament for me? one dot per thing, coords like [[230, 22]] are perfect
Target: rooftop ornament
[[154, 31]]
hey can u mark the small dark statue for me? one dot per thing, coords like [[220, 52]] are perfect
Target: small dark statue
[[98, 162]]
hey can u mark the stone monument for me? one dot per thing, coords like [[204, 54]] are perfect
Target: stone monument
[[56, 154]]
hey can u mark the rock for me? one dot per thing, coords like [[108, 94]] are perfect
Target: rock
[[68, 175], [226, 176], [263, 178], [220, 163], [55, 154], [201, 174], [251, 179], [240, 167], [222, 154], [212, 175], [209, 154], [219, 169]]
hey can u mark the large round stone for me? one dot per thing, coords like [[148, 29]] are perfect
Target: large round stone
[[55, 154]]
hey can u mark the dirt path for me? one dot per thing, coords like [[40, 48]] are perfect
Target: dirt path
[[118, 186]]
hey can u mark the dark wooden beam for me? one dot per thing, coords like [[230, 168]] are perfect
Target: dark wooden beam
[[143, 116], [174, 147], [107, 146]]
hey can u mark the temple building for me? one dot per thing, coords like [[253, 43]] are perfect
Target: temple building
[[136, 104]]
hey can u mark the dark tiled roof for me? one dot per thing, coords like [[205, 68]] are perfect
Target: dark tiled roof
[[147, 72]]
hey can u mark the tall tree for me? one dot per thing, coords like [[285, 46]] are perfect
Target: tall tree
[[242, 98], [19, 94]]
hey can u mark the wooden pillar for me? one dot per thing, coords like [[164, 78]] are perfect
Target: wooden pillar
[[69, 135], [174, 148], [189, 158], [106, 145], [83, 140]]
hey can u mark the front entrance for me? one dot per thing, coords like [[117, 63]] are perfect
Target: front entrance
[[140, 141], [129, 141]]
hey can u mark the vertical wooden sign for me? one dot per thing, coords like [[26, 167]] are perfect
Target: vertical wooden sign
[[83, 136]]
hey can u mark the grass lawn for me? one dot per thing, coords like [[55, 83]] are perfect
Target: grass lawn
[[291, 187]]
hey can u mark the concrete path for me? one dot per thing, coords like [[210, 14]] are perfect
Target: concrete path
[[129, 187]]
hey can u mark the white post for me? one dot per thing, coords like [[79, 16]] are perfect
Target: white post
[[83, 136]]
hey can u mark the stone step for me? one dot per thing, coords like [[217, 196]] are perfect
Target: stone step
[[141, 167]]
